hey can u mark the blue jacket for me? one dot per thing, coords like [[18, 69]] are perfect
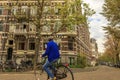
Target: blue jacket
[[52, 51]]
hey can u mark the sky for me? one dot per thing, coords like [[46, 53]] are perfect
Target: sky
[[96, 23]]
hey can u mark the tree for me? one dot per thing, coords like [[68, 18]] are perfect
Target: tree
[[110, 50], [22, 15], [81, 61], [69, 13], [111, 10], [113, 42]]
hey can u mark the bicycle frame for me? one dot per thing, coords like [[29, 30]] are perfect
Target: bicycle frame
[[57, 71]]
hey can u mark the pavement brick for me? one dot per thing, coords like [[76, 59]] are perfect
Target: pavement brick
[[101, 73]]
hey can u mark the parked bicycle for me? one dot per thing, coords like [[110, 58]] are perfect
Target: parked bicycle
[[60, 71], [25, 66], [9, 66]]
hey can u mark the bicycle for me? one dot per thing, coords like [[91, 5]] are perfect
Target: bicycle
[[60, 71]]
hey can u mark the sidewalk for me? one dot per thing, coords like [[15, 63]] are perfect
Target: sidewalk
[[74, 70]]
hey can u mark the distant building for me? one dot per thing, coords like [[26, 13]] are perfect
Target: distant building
[[17, 40], [94, 47]]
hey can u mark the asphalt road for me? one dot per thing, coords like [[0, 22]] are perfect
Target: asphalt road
[[99, 73]]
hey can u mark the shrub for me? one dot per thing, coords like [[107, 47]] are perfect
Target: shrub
[[80, 63]]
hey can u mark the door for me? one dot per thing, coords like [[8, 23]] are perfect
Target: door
[[9, 53]]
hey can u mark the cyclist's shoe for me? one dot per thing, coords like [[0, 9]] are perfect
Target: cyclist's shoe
[[53, 78]]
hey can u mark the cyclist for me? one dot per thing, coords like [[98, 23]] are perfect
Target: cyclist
[[52, 52]]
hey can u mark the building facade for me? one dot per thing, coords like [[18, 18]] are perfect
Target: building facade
[[95, 54], [18, 38]]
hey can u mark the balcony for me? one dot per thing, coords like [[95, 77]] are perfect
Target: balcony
[[20, 31]]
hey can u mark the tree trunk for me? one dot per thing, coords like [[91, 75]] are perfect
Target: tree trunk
[[37, 46]]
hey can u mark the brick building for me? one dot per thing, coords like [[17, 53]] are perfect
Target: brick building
[[18, 39]]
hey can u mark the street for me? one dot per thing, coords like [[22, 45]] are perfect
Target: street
[[101, 73]]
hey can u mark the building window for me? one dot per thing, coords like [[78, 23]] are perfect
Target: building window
[[72, 60], [32, 27], [45, 28], [44, 46], [57, 10], [12, 27], [70, 43], [57, 25], [1, 10], [33, 10], [59, 46], [58, 43], [1, 26], [46, 9], [32, 46], [21, 46], [10, 42], [22, 28], [25, 9], [14, 10]]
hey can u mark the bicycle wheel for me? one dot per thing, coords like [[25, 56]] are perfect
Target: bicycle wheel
[[64, 73], [39, 73]]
